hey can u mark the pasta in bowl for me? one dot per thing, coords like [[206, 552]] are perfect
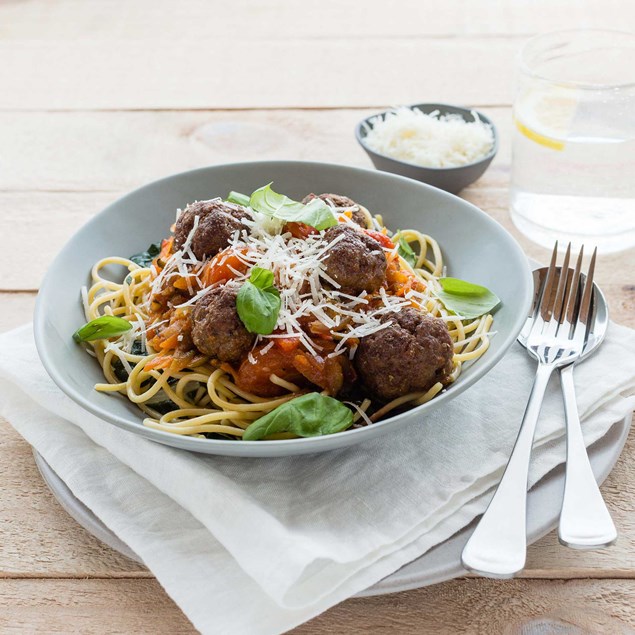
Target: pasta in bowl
[[270, 320]]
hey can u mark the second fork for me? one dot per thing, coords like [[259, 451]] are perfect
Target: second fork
[[497, 548]]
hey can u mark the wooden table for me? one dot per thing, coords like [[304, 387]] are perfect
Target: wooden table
[[100, 97]]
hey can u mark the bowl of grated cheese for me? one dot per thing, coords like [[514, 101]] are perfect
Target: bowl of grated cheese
[[446, 146]]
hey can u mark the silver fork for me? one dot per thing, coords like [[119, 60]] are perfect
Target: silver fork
[[555, 337], [585, 521]]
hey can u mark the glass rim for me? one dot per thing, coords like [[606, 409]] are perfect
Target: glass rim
[[524, 67]]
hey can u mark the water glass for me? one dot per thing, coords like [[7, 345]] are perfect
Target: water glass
[[573, 147]]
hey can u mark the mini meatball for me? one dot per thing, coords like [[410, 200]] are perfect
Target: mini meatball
[[357, 262], [337, 200], [410, 355], [217, 330], [217, 222]]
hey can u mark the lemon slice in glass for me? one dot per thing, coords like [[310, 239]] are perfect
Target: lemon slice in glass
[[545, 116]]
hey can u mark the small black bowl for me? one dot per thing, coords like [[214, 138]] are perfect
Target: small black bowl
[[449, 179]]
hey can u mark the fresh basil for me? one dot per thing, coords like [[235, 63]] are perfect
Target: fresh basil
[[265, 200], [466, 299], [258, 302], [406, 252], [262, 278], [102, 328], [316, 213], [238, 199], [145, 258], [310, 415]]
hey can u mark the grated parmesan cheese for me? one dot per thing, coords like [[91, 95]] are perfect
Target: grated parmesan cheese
[[307, 293], [429, 140]]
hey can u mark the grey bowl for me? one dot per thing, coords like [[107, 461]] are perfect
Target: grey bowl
[[449, 179], [475, 248]]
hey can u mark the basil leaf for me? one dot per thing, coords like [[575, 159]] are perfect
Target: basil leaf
[[406, 252], [466, 299], [265, 200], [145, 258], [461, 287], [262, 278], [102, 328], [316, 213], [258, 302], [238, 199], [310, 415], [258, 308]]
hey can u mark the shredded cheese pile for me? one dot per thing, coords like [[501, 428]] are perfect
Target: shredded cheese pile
[[429, 140]]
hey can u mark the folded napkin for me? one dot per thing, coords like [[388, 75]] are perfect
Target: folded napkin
[[260, 545]]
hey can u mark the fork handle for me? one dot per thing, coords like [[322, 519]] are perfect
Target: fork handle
[[498, 546], [585, 522]]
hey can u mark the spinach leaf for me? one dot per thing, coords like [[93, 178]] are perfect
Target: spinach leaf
[[466, 299], [316, 213], [145, 258], [102, 328], [138, 348], [258, 302], [119, 369], [310, 415], [406, 252], [238, 199], [161, 403]]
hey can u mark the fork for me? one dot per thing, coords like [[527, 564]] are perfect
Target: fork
[[556, 334], [585, 521]]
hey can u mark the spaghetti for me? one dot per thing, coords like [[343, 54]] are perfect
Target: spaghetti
[[156, 365]]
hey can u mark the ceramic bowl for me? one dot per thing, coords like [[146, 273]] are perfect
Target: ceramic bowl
[[475, 248], [449, 179]]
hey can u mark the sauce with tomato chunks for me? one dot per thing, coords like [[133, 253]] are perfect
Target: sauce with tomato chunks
[[223, 267], [289, 362]]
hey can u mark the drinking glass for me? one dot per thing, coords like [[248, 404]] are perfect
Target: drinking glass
[[573, 147]]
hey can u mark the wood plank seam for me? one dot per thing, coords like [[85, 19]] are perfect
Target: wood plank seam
[[570, 574], [225, 108]]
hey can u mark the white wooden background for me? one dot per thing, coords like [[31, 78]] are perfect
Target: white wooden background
[[100, 97]]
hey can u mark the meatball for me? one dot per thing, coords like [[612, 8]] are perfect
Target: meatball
[[410, 355], [217, 222], [337, 200], [217, 330], [357, 262], [359, 218]]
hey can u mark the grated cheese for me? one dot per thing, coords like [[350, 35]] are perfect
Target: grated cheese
[[203, 292], [429, 140], [267, 348], [85, 304], [307, 292]]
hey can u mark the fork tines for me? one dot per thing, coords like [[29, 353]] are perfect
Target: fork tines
[[567, 294]]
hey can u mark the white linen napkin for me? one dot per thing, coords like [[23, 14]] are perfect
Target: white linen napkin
[[260, 545]]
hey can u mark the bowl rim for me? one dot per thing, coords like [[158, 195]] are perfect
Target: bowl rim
[[308, 443], [361, 139]]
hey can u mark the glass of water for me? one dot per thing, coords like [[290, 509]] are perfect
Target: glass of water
[[573, 150]]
